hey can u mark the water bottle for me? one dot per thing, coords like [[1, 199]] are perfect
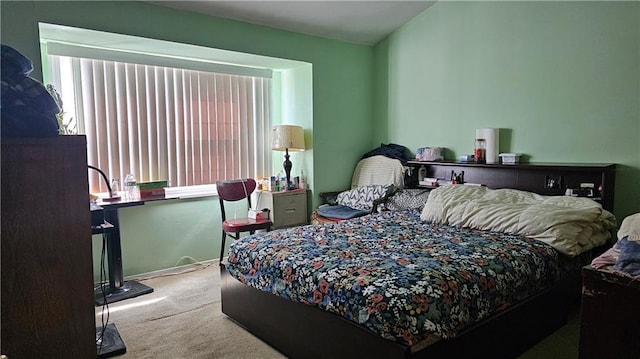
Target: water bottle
[[115, 187], [303, 181], [130, 186]]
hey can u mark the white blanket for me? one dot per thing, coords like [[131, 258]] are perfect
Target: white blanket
[[571, 225], [630, 228]]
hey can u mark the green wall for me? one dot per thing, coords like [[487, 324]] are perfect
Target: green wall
[[342, 81], [562, 79], [341, 113]]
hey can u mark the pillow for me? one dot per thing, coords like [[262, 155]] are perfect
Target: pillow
[[362, 197], [408, 199]]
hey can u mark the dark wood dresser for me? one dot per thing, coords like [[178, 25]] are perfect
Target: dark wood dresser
[[47, 270], [610, 316]]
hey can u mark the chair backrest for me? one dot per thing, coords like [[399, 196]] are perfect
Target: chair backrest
[[235, 190]]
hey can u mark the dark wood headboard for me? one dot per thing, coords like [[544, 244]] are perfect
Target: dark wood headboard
[[541, 178]]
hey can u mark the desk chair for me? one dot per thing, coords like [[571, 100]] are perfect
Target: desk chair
[[233, 191]]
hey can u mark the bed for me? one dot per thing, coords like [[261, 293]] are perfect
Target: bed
[[412, 284]]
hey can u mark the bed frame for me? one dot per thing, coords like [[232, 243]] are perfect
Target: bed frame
[[301, 331]]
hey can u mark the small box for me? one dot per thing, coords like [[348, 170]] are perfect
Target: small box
[[431, 182], [466, 158], [258, 214], [255, 214], [152, 185], [152, 193], [430, 154], [510, 158]]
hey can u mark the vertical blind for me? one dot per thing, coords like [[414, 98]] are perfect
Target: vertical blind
[[161, 123]]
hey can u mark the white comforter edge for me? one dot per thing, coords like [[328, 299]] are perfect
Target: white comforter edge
[[571, 225]]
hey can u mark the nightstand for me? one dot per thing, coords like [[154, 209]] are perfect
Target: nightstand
[[288, 208], [609, 315]]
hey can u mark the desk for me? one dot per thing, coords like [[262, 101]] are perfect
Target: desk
[[118, 289]]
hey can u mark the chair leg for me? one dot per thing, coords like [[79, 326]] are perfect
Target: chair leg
[[224, 236]]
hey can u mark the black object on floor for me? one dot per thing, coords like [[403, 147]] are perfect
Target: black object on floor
[[109, 343], [128, 290]]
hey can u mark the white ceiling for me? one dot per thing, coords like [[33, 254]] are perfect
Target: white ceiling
[[362, 22]]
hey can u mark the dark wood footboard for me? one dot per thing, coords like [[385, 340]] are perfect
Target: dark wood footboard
[[301, 331], [298, 330]]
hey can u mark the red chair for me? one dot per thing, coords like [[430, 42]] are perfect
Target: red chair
[[232, 191]]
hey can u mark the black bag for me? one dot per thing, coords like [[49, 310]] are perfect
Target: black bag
[[28, 109], [411, 177]]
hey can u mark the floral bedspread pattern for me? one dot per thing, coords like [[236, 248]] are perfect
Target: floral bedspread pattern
[[398, 276]]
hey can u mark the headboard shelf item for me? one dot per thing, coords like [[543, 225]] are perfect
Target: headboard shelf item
[[594, 180]]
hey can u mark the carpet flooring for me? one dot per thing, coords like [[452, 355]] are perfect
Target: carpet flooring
[[182, 318]]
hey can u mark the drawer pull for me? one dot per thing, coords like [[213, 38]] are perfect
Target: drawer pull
[[290, 210]]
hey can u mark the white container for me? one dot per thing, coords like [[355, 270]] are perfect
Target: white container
[[510, 158]]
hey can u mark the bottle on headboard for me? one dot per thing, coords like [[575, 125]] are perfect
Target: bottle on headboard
[[422, 173], [480, 150]]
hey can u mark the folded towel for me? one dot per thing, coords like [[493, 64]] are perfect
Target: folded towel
[[629, 258], [340, 212]]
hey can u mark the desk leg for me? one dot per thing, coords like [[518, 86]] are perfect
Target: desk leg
[[117, 289], [114, 250]]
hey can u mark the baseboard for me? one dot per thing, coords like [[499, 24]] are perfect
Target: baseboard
[[171, 271], [174, 270]]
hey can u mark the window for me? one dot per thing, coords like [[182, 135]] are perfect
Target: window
[[165, 110], [187, 126]]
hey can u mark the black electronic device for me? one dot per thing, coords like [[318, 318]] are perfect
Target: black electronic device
[[97, 215]]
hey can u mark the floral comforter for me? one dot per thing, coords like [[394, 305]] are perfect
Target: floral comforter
[[398, 276]]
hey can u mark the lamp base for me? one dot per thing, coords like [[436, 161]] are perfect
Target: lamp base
[[287, 167]]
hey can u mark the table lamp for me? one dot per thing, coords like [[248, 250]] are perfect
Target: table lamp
[[287, 138]]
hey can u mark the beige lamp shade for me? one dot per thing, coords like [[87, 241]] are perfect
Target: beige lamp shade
[[287, 137]]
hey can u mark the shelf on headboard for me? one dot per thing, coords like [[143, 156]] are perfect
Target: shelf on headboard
[[532, 177]]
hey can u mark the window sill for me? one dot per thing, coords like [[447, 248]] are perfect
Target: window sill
[[185, 192], [205, 190]]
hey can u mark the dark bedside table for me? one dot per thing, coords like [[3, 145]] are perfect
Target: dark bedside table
[[610, 315]]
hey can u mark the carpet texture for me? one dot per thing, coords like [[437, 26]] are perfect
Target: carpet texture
[[182, 318]]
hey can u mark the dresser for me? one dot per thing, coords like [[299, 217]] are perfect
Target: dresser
[[47, 270], [287, 208], [609, 316]]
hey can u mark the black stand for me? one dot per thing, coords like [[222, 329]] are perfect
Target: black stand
[[117, 289], [108, 342], [129, 289]]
